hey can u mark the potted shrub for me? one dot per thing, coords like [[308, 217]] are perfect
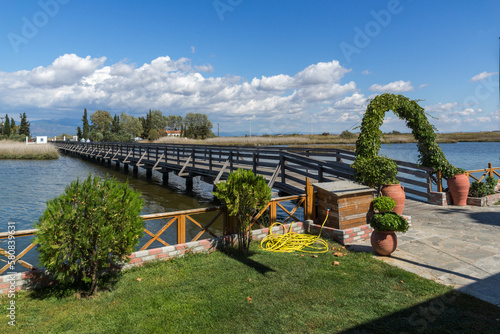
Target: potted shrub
[[245, 194], [458, 184], [380, 172], [385, 223]]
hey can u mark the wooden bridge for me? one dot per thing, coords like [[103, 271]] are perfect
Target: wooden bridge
[[285, 168]]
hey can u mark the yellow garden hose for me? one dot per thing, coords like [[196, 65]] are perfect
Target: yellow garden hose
[[294, 242]]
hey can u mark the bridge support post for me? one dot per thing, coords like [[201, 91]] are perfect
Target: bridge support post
[[109, 162], [117, 165], [136, 171], [125, 168], [165, 178], [149, 173], [189, 183]]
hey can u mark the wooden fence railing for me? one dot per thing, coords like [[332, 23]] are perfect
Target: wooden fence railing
[[179, 219], [490, 171]]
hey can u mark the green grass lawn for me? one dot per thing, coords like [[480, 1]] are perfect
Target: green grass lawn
[[264, 293]]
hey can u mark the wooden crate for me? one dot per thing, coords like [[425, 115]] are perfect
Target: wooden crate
[[349, 203]]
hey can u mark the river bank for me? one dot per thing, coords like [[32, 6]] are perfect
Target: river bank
[[18, 150]]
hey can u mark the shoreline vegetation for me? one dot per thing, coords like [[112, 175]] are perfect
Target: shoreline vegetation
[[345, 140], [19, 150]]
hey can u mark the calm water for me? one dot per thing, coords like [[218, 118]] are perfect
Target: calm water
[[26, 185]]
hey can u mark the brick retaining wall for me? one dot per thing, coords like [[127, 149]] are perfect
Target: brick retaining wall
[[444, 198]]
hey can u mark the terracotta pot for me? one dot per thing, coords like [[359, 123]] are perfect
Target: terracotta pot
[[384, 242], [397, 193], [459, 189]]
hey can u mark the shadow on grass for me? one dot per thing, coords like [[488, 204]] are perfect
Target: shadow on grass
[[226, 245], [42, 285], [453, 312]]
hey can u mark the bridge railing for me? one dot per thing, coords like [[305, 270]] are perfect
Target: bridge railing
[[295, 163]]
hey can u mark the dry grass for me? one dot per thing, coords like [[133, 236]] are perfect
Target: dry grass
[[297, 140], [16, 150]]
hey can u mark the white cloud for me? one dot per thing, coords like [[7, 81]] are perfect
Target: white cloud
[[423, 85], [74, 83], [441, 107], [192, 49], [367, 72], [393, 87], [482, 75]]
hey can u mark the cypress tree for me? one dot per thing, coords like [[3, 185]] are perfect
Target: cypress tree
[[6, 128], [13, 127], [85, 120], [79, 133], [24, 127]]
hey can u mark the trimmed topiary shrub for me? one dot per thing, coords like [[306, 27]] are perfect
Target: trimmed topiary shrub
[[389, 221], [91, 226], [383, 204], [245, 194]]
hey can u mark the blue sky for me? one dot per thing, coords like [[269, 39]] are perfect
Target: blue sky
[[284, 66]]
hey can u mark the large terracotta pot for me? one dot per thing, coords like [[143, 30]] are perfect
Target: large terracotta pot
[[459, 189], [384, 242], [397, 193]]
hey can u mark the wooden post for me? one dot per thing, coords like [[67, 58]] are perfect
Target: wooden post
[[490, 169], [272, 213], [210, 160], [283, 175], [439, 182], [230, 223], [309, 202], [254, 163], [181, 229]]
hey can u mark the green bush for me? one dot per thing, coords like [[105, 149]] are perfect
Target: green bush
[[383, 204], [389, 221], [375, 171], [346, 134], [92, 225], [245, 194], [481, 189]]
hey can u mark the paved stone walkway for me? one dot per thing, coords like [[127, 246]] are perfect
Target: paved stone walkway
[[458, 246]]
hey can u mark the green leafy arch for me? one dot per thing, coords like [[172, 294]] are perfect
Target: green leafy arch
[[369, 140]]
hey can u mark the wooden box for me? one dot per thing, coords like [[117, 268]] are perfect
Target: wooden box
[[349, 203]]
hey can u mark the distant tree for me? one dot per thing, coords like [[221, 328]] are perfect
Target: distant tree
[[101, 121], [79, 133], [197, 126], [24, 126], [115, 125], [13, 127], [130, 125], [6, 127], [346, 134], [147, 125], [174, 122], [86, 128]]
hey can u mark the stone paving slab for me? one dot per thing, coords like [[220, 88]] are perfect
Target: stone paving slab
[[457, 246]]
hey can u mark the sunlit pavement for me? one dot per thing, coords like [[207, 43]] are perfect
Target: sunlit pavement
[[458, 246]]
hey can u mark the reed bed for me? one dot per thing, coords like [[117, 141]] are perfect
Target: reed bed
[[330, 139], [16, 150]]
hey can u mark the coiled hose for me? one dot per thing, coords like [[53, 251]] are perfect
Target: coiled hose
[[290, 241]]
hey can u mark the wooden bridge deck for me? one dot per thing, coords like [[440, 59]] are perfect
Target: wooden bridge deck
[[285, 168]]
